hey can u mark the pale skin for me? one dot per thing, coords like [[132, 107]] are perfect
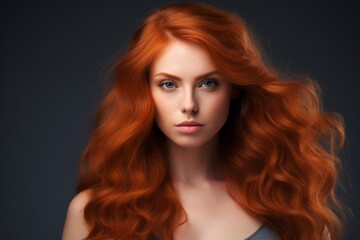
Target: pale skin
[[186, 86]]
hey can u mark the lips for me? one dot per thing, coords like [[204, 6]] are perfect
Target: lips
[[189, 127]]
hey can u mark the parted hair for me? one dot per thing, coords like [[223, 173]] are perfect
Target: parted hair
[[279, 148]]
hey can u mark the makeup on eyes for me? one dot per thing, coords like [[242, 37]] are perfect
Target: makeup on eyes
[[167, 84], [210, 80]]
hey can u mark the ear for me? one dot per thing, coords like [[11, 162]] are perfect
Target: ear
[[235, 92]]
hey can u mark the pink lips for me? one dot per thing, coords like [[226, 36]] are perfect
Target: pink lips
[[189, 127]]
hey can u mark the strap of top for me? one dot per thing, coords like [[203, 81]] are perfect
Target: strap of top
[[263, 233]]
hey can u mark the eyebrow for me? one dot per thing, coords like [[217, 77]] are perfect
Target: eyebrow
[[178, 78]]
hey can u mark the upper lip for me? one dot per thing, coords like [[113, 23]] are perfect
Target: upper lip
[[190, 123]]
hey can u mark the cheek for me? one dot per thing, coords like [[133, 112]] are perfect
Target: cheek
[[219, 106], [160, 112], [162, 108]]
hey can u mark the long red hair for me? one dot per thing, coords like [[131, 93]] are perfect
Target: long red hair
[[280, 148]]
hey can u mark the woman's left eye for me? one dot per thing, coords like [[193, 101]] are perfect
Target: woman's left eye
[[209, 84]]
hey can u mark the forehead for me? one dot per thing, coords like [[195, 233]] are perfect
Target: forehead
[[183, 59]]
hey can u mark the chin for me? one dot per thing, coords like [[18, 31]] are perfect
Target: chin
[[189, 145], [190, 142]]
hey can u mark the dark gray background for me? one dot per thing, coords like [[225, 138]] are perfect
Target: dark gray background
[[53, 58]]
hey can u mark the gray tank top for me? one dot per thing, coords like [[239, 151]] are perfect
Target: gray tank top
[[263, 233]]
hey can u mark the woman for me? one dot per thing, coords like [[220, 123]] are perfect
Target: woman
[[200, 139]]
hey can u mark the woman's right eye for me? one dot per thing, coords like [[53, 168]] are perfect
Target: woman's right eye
[[167, 85]]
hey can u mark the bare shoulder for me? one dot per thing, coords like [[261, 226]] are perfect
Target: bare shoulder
[[78, 203], [75, 227]]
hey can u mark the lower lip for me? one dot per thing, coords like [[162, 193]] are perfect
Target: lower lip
[[189, 129]]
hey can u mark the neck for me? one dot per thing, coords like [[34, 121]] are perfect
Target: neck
[[193, 166]]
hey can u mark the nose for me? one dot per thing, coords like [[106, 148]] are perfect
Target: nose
[[189, 104]]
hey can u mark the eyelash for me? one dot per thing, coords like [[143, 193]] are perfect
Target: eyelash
[[164, 83], [209, 80]]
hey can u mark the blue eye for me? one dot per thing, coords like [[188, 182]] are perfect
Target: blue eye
[[209, 83], [167, 85]]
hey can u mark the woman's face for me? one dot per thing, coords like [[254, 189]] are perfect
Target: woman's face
[[192, 100]]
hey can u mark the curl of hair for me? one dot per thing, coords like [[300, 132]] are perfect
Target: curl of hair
[[280, 161]]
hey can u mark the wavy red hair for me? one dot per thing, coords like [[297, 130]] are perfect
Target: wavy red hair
[[279, 146]]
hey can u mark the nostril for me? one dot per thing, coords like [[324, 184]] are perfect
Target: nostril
[[189, 104], [190, 110]]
